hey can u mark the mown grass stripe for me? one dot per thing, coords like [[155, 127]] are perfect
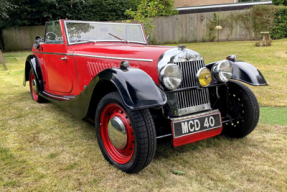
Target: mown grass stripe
[[274, 115]]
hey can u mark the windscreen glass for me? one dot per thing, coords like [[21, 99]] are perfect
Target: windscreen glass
[[80, 32]]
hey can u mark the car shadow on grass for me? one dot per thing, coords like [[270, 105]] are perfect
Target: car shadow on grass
[[165, 149]]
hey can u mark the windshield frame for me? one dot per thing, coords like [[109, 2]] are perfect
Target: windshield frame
[[110, 23]]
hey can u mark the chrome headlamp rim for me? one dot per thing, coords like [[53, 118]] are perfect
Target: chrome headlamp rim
[[161, 76], [198, 75], [217, 71]]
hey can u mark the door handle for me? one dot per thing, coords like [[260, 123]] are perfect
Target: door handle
[[64, 58]]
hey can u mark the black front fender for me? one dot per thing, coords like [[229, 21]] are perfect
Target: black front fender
[[246, 73], [136, 87]]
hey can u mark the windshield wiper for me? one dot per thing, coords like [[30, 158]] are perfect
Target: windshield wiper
[[118, 38]]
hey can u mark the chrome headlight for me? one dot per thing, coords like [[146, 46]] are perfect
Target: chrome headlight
[[222, 71], [171, 76]]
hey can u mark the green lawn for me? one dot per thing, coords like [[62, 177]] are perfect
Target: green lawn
[[43, 148]]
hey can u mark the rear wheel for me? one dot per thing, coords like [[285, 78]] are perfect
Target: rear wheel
[[126, 138], [34, 88], [243, 111]]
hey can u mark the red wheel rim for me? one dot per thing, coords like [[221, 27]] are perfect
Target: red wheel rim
[[33, 86], [119, 155]]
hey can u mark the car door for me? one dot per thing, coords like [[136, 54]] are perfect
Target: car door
[[58, 63]]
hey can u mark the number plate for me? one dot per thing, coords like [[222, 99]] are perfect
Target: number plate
[[196, 123]]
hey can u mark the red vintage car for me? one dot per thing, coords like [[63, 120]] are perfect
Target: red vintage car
[[136, 93]]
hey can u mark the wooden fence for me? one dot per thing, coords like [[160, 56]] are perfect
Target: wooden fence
[[174, 29], [199, 27], [21, 38]]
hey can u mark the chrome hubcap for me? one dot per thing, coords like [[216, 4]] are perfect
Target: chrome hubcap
[[117, 133], [34, 86]]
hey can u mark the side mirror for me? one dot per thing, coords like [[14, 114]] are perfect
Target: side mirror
[[148, 38], [38, 41]]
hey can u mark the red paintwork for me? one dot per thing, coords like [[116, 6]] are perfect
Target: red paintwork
[[64, 78], [58, 72], [35, 95], [71, 76], [121, 156], [196, 137], [88, 67]]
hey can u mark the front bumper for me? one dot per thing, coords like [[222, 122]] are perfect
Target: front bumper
[[191, 134]]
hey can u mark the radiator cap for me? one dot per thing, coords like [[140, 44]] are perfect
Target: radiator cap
[[181, 47]]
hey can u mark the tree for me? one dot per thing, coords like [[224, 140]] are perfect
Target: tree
[[280, 2], [37, 12], [148, 9], [4, 6], [14, 13]]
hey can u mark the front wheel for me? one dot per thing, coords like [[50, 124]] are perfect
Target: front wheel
[[34, 88], [243, 110], [127, 138]]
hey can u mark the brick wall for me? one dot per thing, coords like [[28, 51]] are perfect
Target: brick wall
[[187, 3]]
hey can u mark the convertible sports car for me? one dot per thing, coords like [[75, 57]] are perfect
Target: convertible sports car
[[136, 93]]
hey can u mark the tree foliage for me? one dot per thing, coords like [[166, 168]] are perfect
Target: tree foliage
[[270, 18], [148, 9], [280, 2], [280, 29], [4, 6], [37, 12]]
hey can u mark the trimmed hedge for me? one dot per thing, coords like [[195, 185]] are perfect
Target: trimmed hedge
[[270, 18], [280, 19]]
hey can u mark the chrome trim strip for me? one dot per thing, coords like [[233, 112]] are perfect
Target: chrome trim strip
[[194, 109], [223, 5], [117, 58], [163, 136], [96, 56], [195, 87], [226, 121], [179, 119], [67, 98], [50, 53]]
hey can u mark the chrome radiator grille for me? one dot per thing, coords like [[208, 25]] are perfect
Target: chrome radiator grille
[[193, 100], [189, 70]]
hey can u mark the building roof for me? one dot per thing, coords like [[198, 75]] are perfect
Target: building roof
[[220, 7]]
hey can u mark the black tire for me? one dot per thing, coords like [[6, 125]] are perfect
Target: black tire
[[143, 132], [35, 96], [243, 109]]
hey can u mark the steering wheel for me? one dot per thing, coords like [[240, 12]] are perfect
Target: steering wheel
[[51, 36]]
